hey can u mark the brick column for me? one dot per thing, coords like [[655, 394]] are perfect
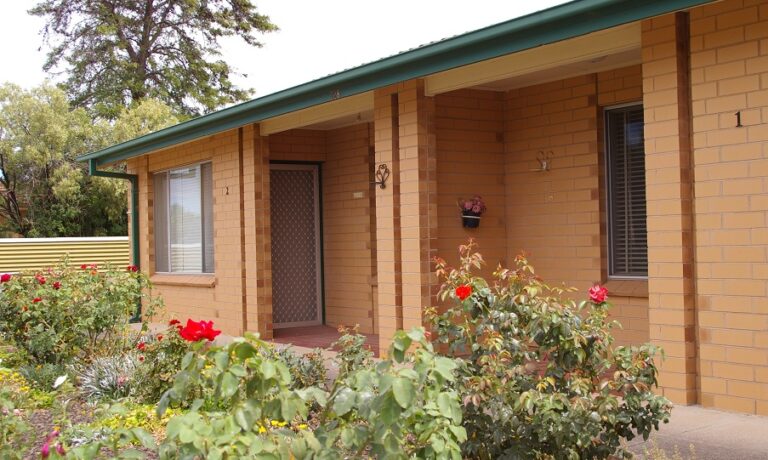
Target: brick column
[[406, 210], [388, 264], [257, 307], [418, 200], [669, 178]]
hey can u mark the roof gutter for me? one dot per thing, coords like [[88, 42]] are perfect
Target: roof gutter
[[134, 180], [554, 24]]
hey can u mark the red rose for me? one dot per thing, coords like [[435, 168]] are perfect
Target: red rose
[[40, 279], [598, 294], [132, 268], [464, 291], [36, 300], [56, 285], [5, 277], [84, 267], [141, 346], [198, 330], [174, 322], [159, 337]]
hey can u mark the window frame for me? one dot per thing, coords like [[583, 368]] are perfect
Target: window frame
[[607, 157], [167, 172]]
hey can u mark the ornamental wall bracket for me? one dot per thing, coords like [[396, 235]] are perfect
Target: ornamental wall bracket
[[381, 175]]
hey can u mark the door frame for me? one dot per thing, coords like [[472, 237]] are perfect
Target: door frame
[[319, 252]]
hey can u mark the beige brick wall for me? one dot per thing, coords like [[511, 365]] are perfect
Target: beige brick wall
[[218, 297], [349, 263], [238, 296], [557, 217], [298, 145], [470, 161], [669, 203], [729, 73]]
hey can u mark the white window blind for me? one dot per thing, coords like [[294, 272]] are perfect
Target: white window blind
[[627, 227], [184, 220]]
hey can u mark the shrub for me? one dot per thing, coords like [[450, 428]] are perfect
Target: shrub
[[12, 424], [65, 312], [402, 407], [539, 374], [352, 354], [306, 370], [107, 377], [159, 356], [43, 376]]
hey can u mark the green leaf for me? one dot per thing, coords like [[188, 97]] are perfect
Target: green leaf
[[389, 409], [186, 434], [268, 369], [245, 350], [344, 401], [146, 439], [229, 385], [459, 432], [403, 391], [244, 419], [445, 367], [221, 359]]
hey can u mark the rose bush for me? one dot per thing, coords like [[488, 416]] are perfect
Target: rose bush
[[159, 357], [539, 375], [66, 312]]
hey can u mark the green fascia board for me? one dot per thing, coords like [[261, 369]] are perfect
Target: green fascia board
[[548, 26]]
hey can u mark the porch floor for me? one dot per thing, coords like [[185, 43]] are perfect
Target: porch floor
[[317, 337]]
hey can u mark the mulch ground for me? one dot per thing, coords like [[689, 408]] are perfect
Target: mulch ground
[[41, 423]]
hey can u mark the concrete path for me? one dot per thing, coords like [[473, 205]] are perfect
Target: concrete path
[[715, 435]]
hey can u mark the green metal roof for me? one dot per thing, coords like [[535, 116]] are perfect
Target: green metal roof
[[547, 26]]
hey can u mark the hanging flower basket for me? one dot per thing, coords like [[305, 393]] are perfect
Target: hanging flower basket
[[471, 210], [470, 220]]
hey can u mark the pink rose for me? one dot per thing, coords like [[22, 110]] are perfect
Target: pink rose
[[598, 294]]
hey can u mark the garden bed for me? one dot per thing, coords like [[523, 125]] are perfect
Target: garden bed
[[524, 375]]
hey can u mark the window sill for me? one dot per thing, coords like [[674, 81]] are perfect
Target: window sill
[[627, 288], [167, 279]]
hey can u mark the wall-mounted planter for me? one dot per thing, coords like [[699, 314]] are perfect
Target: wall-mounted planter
[[469, 220]]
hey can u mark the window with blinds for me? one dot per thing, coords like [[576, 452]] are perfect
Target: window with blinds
[[184, 220], [627, 227]]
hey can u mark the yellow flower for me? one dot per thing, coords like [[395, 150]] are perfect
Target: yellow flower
[[262, 429], [303, 426]]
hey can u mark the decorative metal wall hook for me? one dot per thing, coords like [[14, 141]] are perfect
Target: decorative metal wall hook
[[382, 174], [545, 161]]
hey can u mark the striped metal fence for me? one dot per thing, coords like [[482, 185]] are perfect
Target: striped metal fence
[[21, 254]]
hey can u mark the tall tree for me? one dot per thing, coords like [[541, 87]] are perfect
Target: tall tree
[[43, 190], [117, 52]]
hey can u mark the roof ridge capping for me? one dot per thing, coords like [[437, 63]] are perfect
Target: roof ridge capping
[[546, 26]]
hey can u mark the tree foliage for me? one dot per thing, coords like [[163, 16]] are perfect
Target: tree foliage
[[44, 192], [117, 52]]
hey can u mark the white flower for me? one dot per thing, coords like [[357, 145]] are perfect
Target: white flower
[[59, 380]]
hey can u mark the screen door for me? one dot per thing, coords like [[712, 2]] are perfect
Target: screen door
[[295, 213]]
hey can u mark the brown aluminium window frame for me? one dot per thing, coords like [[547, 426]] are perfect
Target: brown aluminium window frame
[[625, 197]]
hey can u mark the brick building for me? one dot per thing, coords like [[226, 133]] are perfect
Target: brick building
[[652, 117]]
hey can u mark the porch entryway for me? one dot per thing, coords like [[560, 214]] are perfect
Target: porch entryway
[[296, 247], [318, 337]]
